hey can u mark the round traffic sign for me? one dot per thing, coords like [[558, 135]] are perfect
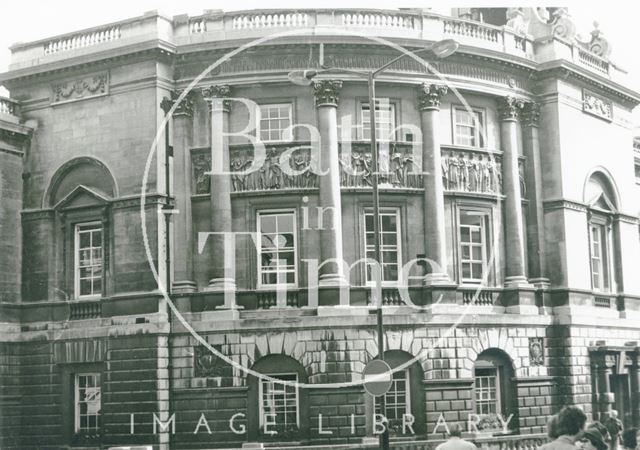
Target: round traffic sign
[[377, 377]]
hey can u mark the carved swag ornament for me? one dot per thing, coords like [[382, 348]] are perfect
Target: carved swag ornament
[[86, 87]]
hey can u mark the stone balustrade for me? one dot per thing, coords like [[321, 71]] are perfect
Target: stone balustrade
[[9, 107], [283, 19], [382, 20], [85, 310], [591, 60], [215, 26], [82, 40]]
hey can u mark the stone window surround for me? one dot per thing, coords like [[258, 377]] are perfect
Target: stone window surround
[[394, 105], [77, 412], [293, 212], [603, 222], [487, 209], [67, 399], [399, 236], [285, 388], [92, 226], [69, 219], [290, 105], [480, 132]]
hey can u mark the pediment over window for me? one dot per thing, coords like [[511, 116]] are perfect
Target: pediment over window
[[82, 197], [600, 193], [603, 202]]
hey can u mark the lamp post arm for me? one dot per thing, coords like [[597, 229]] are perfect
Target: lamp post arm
[[386, 65]]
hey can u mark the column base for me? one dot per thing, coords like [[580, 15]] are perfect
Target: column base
[[332, 280], [221, 285], [436, 279], [517, 281], [540, 283], [519, 297], [183, 287]]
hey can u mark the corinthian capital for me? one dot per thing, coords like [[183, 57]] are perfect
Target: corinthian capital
[[327, 92], [430, 95], [509, 107], [217, 94], [531, 114], [184, 108]]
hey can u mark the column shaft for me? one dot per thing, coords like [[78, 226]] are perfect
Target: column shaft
[[514, 229], [327, 97], [533, 175], [434, 224], [223, 268]]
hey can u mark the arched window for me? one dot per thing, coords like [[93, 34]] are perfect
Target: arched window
[[601, 199], [406, 395], [494, 390], [81, 192], [277, 407]]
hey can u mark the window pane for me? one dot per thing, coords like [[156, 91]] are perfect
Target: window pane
[[389, 240], [278, 248]]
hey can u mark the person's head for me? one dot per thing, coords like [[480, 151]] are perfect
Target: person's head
[[571, 420], [613, 414], [552, 427], [601, 428], [630, 438], [455, 430], [591, 439]]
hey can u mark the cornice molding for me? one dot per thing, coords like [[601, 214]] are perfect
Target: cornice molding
[[552, 205]]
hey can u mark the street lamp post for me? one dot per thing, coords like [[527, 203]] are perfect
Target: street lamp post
[[440, 49]]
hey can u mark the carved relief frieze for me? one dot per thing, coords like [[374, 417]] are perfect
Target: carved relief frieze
[[466, 171], [278, 171], [274, 173], [597, 105], [80, 88], [398, 166]]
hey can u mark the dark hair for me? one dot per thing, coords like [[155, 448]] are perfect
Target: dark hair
[[595, 437], [571, 420], [455, 430], [629, 438], [552, 427]]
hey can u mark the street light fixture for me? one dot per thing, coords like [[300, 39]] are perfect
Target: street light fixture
[[440, 50]]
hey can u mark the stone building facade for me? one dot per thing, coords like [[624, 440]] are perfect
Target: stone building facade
[[508, 164]]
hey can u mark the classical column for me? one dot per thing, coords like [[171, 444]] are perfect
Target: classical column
[[435, 233], [509, 109], [222, 249], [327, 93], [183, 226], [533, 176]]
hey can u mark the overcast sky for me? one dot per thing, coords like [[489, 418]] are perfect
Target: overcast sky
[[28, 20]]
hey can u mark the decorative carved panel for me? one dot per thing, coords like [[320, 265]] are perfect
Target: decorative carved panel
[[80, 88], [400, 170], [271, 175], [536, 351], [206, 363], [596, 105], [467, 171]]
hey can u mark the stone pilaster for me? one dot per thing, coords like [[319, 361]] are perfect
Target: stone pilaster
[[435, 235], [634, 375], [533, 177], [604, 397], [519, 296], [222, 279], [327, 95], [182, 223]]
